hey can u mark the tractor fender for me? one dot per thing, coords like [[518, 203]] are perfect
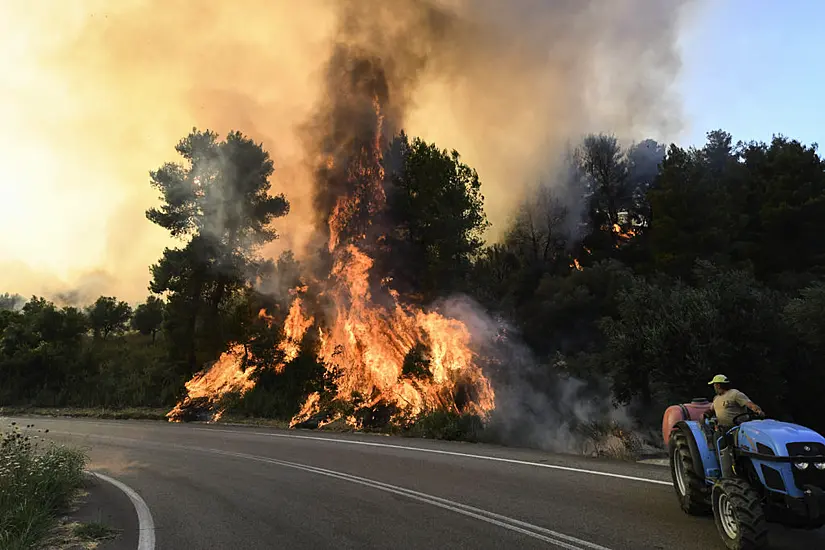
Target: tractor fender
[[699, 449]]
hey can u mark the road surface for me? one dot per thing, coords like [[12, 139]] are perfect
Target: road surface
[[213, 487]]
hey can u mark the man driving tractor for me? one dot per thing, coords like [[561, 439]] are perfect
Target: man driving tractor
[[729, 403]]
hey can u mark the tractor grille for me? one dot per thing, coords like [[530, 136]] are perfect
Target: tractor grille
[[809, 476], [773, 479], [764, 449], [813, 449]]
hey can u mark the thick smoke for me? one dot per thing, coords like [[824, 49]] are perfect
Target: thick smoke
[[97, 93], [536, 406]]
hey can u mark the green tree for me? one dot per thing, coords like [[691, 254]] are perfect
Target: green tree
[[221, 200], [806, 316], [108, 316], [493, 277], [669, 338], [10, 302], [148, 316], [785, 207], [563, 314], [435, 212], [40, 349], [696, 204]]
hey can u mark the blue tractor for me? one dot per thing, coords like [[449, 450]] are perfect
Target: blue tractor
[[757, 472]]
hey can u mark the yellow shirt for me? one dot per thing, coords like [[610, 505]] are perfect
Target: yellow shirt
[[729, 405]]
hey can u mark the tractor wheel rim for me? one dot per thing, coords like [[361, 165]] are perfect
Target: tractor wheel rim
[[728, 517], [680, 475]]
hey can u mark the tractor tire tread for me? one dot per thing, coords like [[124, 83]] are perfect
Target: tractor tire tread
[[696, 500], [749, 513]]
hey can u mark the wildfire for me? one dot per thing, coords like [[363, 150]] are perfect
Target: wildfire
[[369, 344], [366, 344], [622, 234], [210, 386], [295, 327], [576, 264]]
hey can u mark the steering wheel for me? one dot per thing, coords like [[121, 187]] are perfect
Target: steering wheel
[[749, 415]]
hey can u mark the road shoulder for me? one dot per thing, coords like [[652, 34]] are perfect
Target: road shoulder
[[102, 518]]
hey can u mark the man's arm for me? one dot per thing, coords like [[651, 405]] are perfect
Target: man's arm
[[754, 407], [743, 400]]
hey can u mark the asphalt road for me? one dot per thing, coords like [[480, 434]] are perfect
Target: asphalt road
[[242, 487]]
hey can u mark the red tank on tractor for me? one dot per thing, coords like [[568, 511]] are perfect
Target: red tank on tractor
[[687, 411]]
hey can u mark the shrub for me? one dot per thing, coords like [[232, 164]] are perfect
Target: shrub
[[446, 425]]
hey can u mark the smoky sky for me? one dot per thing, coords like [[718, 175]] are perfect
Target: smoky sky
[[103, 91]]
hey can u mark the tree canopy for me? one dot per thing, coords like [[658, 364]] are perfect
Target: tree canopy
[[435, 219], [108, 315], [221, 200]]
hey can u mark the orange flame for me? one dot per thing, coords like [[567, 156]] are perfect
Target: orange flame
[[368, 344], [295, 327], [227, 374], [210, 386], [363, 343], [623, 235]]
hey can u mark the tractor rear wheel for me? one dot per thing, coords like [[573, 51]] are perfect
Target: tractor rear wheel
[[740, 515], [688, 476]]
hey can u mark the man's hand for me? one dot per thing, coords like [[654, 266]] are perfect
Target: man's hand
[[755, 408]]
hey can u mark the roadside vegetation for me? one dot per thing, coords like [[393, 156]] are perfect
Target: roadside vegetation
[[128, 413], [640, 270], [37, 482]]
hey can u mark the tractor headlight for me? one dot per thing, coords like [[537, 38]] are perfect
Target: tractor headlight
[[801, 465], [819, 465]]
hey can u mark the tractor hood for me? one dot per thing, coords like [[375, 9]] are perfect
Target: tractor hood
[[776, 435]]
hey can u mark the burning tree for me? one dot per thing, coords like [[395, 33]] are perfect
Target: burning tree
[[378, 349], [220, 200]]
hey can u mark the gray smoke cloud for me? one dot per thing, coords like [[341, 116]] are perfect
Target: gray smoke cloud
[[545, 71], [536, 405], [505, 83]]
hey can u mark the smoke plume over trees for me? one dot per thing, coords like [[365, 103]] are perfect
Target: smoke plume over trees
[[507, 84]]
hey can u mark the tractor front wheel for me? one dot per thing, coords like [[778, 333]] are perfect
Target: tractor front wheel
[[685, 468], [739, 515]]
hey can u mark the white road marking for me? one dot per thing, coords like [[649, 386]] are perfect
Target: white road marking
[[451, 453], [146, 525], [559, 539]]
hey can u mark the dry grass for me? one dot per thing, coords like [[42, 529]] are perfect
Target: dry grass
[[610, 440], [78, 536]]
